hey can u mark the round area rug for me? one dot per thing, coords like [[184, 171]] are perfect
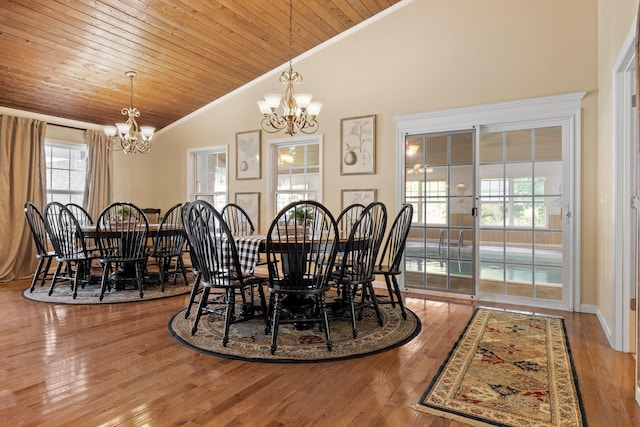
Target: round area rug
[[90, 294], [248, 342]]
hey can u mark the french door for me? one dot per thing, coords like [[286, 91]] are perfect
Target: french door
[[489, 212]]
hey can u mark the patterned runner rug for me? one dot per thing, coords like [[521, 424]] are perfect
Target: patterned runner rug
[[247, 340], [508, 369]]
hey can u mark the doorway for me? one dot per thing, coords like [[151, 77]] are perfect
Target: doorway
[[494, 190]]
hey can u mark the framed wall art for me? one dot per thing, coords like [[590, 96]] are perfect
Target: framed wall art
[[358, 145], [248, 155], [250, 202], [364, 197]]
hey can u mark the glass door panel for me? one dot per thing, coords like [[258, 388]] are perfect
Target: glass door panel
[[520, 203], [439, 179], [518, 145]]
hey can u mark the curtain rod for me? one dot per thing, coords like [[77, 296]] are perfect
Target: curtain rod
[[66, 126]]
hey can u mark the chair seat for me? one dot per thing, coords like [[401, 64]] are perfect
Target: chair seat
[[234, 284], [284, 289], [385, 269], [77, 257], [350, 276], [161, 253], [51, 254], [117, 259]]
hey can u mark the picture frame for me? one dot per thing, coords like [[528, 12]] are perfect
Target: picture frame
[[248, 149], [250, 202], [364, 197], [358, 145]]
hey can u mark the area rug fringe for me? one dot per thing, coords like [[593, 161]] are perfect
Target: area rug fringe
[[450, 416]]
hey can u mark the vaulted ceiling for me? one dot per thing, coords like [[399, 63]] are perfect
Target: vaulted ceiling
[[68, 58]]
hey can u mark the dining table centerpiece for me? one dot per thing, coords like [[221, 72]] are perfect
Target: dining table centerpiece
[[303, 215], [123, 213], [303, 219]]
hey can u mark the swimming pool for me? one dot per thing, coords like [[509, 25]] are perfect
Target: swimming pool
[[513, 264]]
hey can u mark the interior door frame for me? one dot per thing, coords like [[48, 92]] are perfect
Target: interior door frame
[[637, 144], [624, 255]]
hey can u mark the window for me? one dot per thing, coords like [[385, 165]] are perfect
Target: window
[[521, 209], [436, 202], [297, 171], [413, 193], [66, 172], [208, 172], [493, 192], [434, 193]]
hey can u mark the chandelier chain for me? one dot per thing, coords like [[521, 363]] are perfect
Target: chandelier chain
[[131, 92], [298, 112], [290, 34]]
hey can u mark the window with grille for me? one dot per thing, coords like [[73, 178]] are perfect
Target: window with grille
[[209, 171], [297, 171], [66, 169], [513, 202]]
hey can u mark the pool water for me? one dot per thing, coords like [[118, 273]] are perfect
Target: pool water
[[514, 266]]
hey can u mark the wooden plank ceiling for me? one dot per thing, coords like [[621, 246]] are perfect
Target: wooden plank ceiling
[[68, 58]]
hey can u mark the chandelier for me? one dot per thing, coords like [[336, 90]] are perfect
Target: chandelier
[[298, 112], [128, 137]]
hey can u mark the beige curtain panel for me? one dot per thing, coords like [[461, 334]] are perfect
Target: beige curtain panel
[[97, 193], [22, 179]]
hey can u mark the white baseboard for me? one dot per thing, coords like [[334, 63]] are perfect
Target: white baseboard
[[587, 308]]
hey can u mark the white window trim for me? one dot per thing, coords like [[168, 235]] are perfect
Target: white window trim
[[191, 153], [273, 164], [564, 107]]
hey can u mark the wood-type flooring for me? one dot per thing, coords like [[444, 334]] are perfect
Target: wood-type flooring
[[116, 365]]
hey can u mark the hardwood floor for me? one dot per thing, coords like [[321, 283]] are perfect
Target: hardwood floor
[[108, 365]]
